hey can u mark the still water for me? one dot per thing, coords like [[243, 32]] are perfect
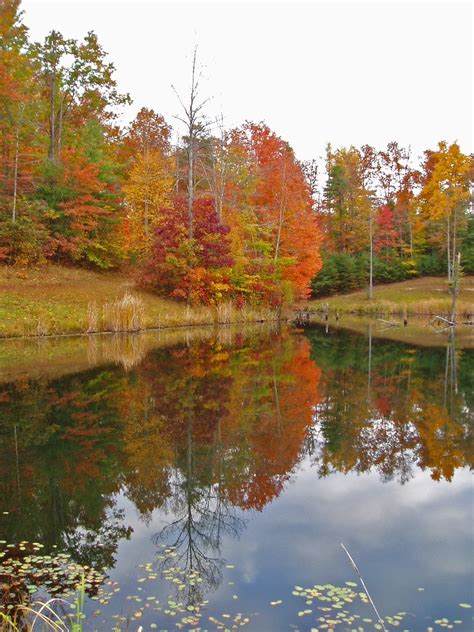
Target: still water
[[209, 482]]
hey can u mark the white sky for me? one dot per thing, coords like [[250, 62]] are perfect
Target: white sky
[[348, 73]]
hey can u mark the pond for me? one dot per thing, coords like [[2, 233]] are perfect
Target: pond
[[207, 480]]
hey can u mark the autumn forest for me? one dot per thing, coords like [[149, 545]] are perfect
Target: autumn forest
[[202, 213], [236, 316]]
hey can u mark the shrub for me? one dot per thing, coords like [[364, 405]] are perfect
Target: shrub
[[431, 264], [22, 241], [340, 273], [389, 271]]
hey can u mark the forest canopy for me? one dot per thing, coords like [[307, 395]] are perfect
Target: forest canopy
[[219, 214]]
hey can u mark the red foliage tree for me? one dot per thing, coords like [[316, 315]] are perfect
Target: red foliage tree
[[386, 237], [191, 269]]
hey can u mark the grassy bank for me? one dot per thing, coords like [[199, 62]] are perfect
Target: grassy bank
[[424, 297], [56, 300]]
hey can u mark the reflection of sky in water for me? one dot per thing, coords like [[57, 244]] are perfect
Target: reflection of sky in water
[[402, 537], [192, 426]]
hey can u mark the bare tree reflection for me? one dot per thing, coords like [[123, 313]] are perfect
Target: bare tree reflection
[[202, 517]]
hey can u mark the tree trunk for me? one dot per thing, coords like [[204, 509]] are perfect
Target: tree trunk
[[190, 185], [281, 214], [371, 257], [448, 247], [52, 130], [60, 130], [176, 185], [454, 230], [455, 286], [15, 171]]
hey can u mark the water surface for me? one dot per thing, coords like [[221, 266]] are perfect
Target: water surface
[[216, 474]]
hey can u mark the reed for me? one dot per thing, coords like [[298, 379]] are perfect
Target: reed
[[92, 318], [42, 616], [124, 315]]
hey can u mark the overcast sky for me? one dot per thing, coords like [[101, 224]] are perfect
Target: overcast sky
[[345, 73]]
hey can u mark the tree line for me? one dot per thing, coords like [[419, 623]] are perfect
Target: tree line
[[385, 212], [219, 214]]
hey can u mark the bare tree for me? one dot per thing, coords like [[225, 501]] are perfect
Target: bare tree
[[195, 123], [311, 173]]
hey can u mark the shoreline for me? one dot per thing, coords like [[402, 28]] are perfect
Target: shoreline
[[61, 302], [143, 330]]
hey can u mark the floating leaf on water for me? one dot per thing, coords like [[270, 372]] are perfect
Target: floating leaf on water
[[276, 603], [351, 584], [465, 605]]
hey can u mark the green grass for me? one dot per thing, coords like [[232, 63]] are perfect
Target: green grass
[[55, 300], [425, 297]]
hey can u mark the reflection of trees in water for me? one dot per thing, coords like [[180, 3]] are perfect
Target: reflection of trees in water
[[450, 374], [390, 407], [213, 427], [201, 518], [234, 434], [58, 464]]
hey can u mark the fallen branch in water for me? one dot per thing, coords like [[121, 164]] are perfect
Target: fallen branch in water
[[450, 323], [354, 565], [389, 323]]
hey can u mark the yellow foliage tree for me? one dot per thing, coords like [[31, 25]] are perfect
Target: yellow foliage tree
[[445, 197], [146, 193]]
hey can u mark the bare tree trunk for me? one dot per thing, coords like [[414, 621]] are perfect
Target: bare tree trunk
[[15, 171], [218, 186], [371, 256], [176, 184], [60, 130], [281, 214], [454, 230], [411, 240], [192, 119], [448, 244], [455, 286], [52, 131], [191, 184], [146, 157]]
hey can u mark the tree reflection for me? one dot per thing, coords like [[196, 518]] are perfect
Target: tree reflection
[[208, 430], [416, 415]]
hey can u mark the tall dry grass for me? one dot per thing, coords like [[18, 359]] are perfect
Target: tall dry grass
[[422, 307], [124, 315]]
